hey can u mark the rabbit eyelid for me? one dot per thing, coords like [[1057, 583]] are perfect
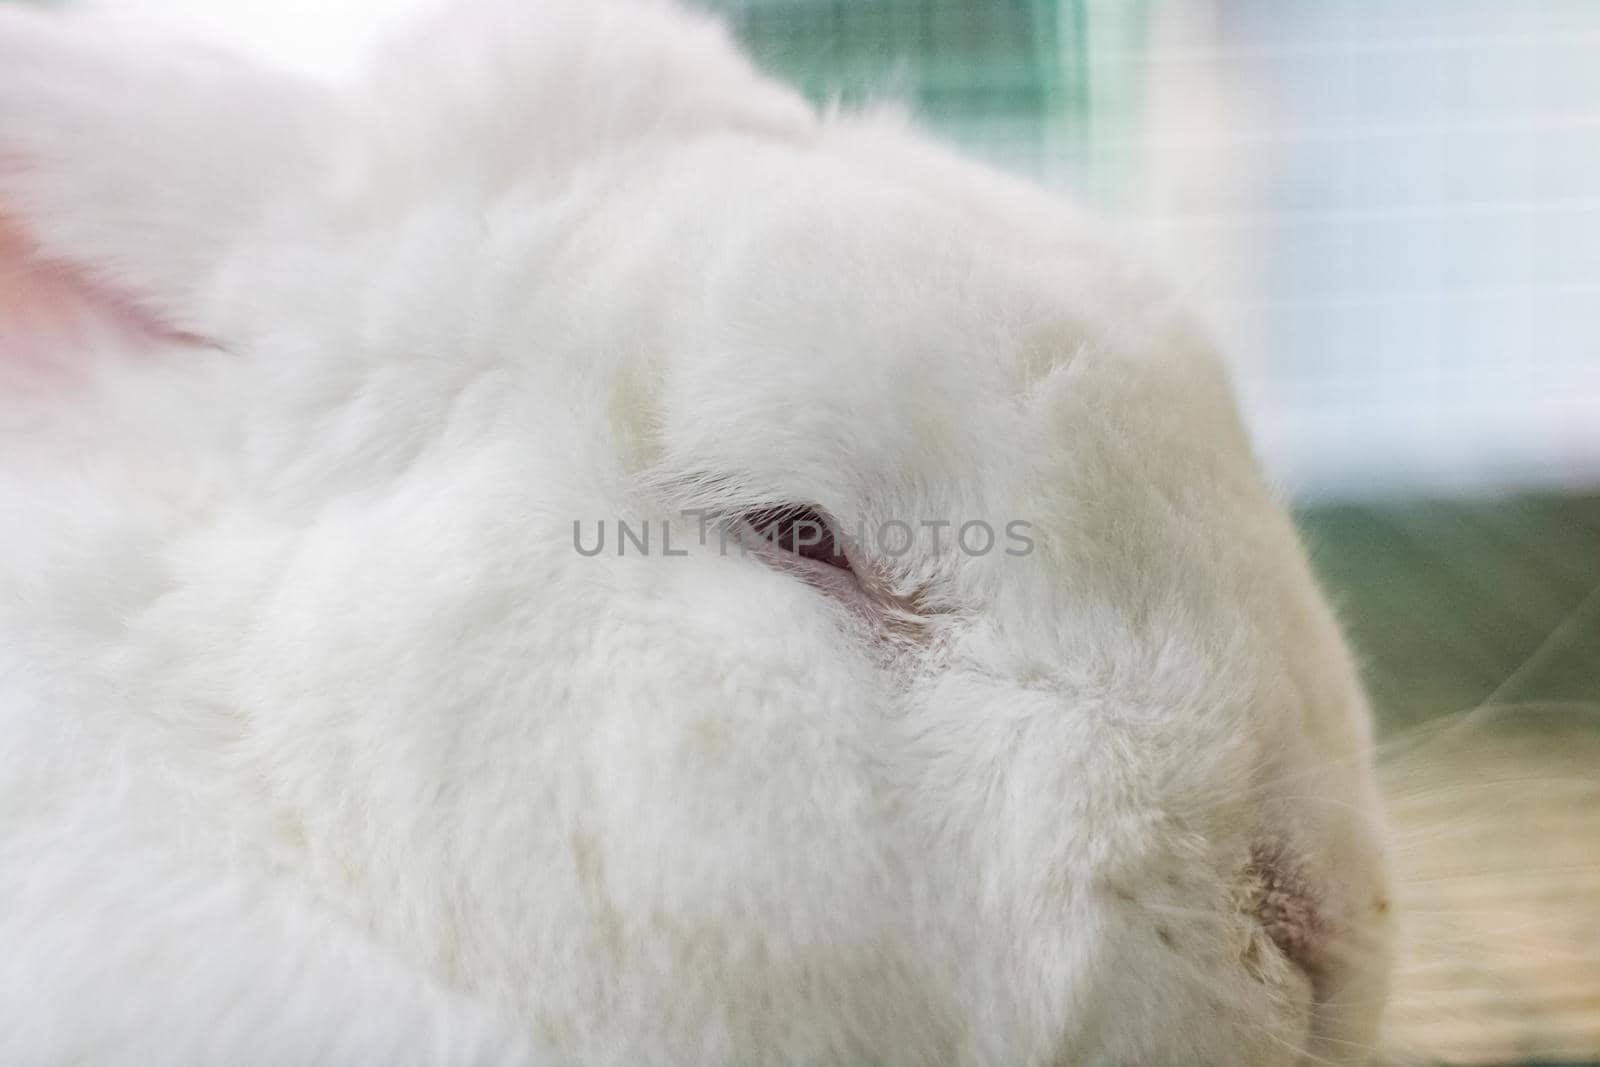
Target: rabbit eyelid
[[803, 531]]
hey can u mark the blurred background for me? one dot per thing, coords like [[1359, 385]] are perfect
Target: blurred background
[[1389, 216]]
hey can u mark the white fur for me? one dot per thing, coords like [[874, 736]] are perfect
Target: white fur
[[319, 743]]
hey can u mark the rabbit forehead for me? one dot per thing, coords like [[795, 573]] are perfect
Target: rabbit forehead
[[855, 326]]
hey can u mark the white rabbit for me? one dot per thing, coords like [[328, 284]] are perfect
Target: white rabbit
[[323, 739]]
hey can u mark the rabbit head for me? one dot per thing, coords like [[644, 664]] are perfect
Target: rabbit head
[[711, 581]]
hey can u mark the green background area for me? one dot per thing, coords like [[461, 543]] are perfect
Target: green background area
[[1450, 602]]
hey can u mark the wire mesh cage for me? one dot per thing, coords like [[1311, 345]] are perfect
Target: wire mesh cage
[[961, 57], [1012, 80]]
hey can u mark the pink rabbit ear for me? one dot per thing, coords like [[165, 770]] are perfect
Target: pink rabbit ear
[[52, 317], [129, 167]]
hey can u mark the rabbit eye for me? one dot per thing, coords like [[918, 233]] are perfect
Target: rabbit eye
[[801, 531]]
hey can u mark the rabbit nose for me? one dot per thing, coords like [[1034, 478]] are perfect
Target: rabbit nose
[[1287, 906]]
